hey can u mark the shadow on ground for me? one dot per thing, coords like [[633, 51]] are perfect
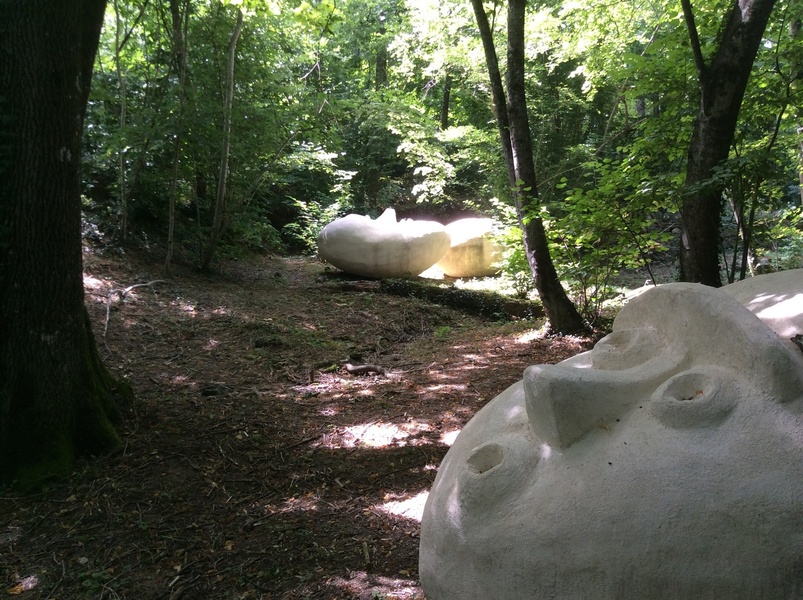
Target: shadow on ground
[[254, 465]]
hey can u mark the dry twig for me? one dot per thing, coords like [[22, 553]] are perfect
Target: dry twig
[[123, 292], [364, 369]]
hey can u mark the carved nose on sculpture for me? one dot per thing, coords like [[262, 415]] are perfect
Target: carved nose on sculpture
[[565, 403]]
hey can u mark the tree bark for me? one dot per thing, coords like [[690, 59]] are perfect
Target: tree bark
[[121, 156], [794, 33], [514, 132], [447, 94], [722, 85], [218, 220], [57, 400], [381, 79], [180, 17]]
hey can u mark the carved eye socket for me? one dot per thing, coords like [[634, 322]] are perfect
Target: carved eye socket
[[498, 470], [695, 398], [625, 349], [485, 458]]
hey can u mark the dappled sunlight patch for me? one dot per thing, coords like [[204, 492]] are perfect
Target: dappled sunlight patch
[[94, 284], [362, 585], [446, 387], [329, 466], [305, 503], [441, 374], [339, 386], [448, 437], [475, 357], [376, 434], [529, 336], [457, 372], [405, 505], [473, 366], [785, 309], [295, 504], [186, 307]]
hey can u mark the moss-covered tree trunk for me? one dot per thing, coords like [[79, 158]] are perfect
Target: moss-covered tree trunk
[[57, 400]]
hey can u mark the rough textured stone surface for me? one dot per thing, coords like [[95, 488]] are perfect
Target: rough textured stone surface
[[472, 253], [665, 463], [775, 298], [383, 247]]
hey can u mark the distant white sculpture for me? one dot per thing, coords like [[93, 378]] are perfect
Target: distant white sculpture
[[665, 463], [383, 247], [473, 253]]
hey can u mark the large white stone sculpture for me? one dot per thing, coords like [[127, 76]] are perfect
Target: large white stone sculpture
[[776, 298], [473, 253], [383, 247], [666, 463]]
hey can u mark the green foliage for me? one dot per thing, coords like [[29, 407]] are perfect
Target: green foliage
[[302, 233], [514, 268], [250, 234], [784, 245], [620, 220], [339, 107]]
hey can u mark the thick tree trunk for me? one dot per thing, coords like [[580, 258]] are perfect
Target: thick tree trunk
[[514, 131], [722, 86], [57, 400]]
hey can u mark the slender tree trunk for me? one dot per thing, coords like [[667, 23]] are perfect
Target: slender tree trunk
[[118, 46], [794, 32], [57, 400], [381, 79], [800, 158], [180, 15], [514, 132], [171, 204], [218, 219], [737, 203], [447, 95], [722, 85], [747, 240]]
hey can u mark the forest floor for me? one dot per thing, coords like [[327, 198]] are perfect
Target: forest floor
[[254, 465]]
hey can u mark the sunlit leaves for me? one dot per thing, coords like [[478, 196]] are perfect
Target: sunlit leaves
[[320, 16], [612, 97]]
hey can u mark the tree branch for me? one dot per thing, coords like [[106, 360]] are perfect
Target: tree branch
[[122, 44], [688, 16]]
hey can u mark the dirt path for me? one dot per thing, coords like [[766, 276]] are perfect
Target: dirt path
[[254, 464]]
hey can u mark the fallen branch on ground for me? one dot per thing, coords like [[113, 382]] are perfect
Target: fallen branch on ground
[[364, 369], [123, 292], [486, 304]]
